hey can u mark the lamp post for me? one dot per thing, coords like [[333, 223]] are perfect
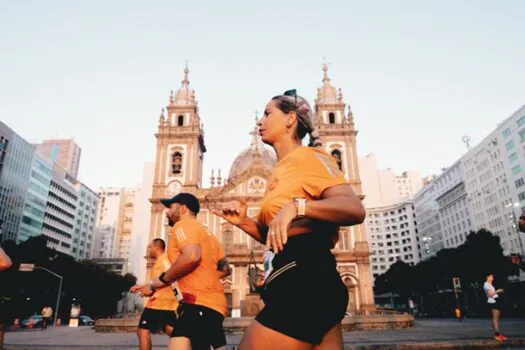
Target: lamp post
[[31, 268]]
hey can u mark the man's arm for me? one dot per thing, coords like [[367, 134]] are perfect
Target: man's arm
[[223, 268], [188, 260]]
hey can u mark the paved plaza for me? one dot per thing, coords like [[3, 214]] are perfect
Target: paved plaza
[[425, 335]]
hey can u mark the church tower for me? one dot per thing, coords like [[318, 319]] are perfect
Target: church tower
[[338, 135], [180, 151]]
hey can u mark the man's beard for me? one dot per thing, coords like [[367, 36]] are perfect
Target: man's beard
[[170, 222]]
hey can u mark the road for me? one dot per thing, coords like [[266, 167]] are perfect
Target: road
[[426, 334]]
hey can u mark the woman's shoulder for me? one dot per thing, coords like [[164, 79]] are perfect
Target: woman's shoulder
[[304, 153]]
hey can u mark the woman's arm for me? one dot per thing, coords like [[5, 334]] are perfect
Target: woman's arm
[[338, 206], [256, 230]]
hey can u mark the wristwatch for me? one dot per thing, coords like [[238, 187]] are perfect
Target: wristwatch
[[300, 205]]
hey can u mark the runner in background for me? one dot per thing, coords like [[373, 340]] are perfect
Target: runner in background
[[159, 313]]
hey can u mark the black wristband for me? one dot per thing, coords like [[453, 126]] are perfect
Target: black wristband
[[161, 278]]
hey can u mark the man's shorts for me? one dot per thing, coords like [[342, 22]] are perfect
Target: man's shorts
[[156, 320], [202, 325]]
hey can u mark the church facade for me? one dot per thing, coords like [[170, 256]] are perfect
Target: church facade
[[179, 167]]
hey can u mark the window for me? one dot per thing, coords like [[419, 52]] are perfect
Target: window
[[176, 163], [516, 170], [509, 145], [513, 157], [522, 135], [331, 118], [506, 133], [180, 120], [521, 121], [519, 183], [521, 196], [337, 155]]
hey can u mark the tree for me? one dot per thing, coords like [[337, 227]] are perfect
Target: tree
[[479, 256], [96, 289]]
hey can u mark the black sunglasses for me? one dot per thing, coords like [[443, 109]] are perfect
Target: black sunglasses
[[293, 93]]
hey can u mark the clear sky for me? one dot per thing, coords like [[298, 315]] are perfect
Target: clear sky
[[418, 74]]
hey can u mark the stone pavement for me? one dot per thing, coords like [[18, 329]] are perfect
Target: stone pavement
[[427, 334]]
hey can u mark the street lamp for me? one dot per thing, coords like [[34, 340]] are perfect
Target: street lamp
[[31, 268]]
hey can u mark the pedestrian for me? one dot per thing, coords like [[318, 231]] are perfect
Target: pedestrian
[[306, 201], [494, 302], [201, 311], [46, 313], [159, 313]]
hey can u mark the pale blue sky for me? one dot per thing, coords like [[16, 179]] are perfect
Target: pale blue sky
[[418, 74]]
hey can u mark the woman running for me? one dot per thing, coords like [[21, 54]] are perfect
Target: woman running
[[306, 201]]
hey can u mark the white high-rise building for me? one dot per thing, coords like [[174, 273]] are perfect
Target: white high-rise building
[[141, 223], [485, 188], [391, 226], [443, 212], [105, 242], [115, 223], [385, 187], [125, 223], [392, 235], [494, 173]]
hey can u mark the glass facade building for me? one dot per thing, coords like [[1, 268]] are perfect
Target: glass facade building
[[16, 160]]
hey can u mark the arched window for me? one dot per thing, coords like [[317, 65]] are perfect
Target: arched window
[[180, 120], [176, 163], [331, 118], [337, 155]]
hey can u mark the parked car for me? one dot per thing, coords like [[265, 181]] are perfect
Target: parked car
[[33, 321], [84, 320]]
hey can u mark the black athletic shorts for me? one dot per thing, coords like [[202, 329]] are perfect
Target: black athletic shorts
[[157, 320], [496, 305], [304, 298], [202, 325]]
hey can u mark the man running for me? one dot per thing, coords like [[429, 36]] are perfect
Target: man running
[[159, 313], [202, 310]]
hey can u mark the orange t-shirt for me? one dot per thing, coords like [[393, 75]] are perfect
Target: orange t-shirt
[[162, 299], [202, 286], [218, 251], [305, 172]]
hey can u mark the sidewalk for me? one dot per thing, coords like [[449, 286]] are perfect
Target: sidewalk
[[427, 334]]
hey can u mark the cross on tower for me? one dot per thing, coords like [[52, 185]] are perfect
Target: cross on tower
[[256, 115], [326, 63]]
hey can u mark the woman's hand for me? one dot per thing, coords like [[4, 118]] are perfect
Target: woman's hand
[[500, 290], [233, 212], [278, 229]]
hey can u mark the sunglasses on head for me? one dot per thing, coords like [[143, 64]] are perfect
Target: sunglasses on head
[[290, 93]]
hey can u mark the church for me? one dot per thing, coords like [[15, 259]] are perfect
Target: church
[[179, 168]]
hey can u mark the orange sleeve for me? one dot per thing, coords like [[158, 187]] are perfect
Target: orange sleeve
[[173, 249], [185, 232], [320, 172]]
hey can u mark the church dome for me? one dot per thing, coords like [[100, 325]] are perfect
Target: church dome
[[257, 153], [249, 157]]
